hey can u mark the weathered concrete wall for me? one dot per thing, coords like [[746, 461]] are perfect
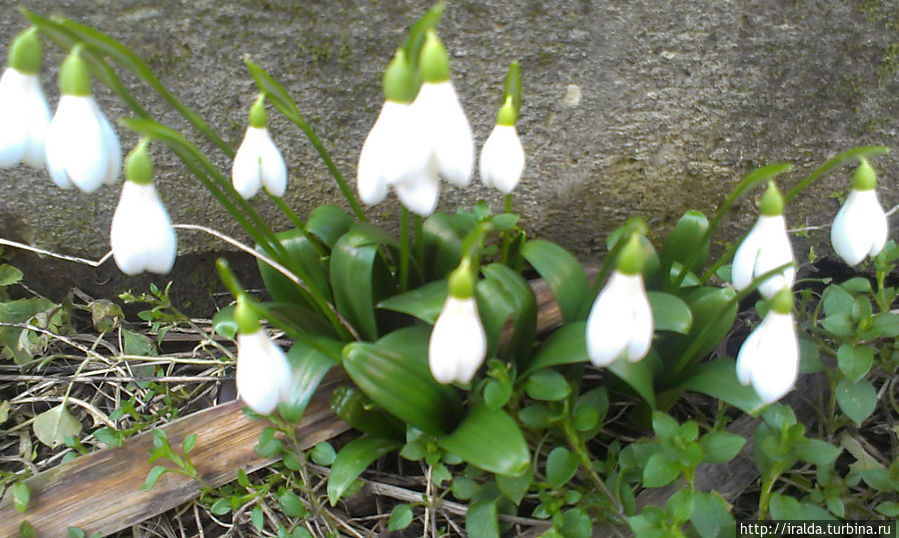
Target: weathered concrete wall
[[640, 106]]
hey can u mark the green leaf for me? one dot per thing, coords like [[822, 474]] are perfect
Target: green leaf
[[686, 242], [26, 530], [307, 368], [855, 361], [443, 237], [849, 156], [504, 294], [9, 275], [490, 440], [137, 344], [291, 505], [884, 325], [576, 524], [784, 507], [719, 380], [257, 518], [535, 416], [419, 30], [221, 506], [189, 443], [889, 509], [857, 285], [562, 273], [223, 323], [857, 399], [358, 411], [153, 477], [590, 407], [482, 516], [496, 394], [395, 374], [303, 256], [323, 454], [818, 452], [638, 375], [838, 325], [19, 311], [720, 447], [465, 488], [515, 487], [53, 426], [711, 516], [680, 506], [547, 385], [424, 302], [660, 470], [561, 465], [566, 345], [75, 532], [21, 496], [328, 223], [354, 458], [400, 517], [714, 312], [663, 425], [836, 300], [670, 313], [353, 278]]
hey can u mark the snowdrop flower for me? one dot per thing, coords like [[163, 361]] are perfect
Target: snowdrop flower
[[860, 228], [258, 163], [263, 373], [767, 247], [502, 157], [458, 342], [82, 148], [620, 322], [769, 358], [394, 152], [142, 237], [444, 126], [24, 114]]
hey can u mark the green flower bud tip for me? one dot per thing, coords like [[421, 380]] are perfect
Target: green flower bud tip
[[462, 280], [631, 259], [247, 322], [772, 203], [399, 81], [25, 52], [506, 114], [865, 177], [433, 60], [782, 302], [258, 118], [138, 166], [74, 78]]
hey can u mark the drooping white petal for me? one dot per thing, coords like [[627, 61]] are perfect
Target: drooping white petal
[[446, 130], [245, 171], [765, 248], [502, 159], [370, 182], [273, 171], [37, 118], [458, 342], [112, 145], [141, 235], [769, 358], [77, 147], [749, 352], [263, 373], [420, 194], [619, 320], [13, 118], [860, 228]]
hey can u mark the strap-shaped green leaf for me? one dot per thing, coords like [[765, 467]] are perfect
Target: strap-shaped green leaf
[[359, 411], [669, 312], [424, 302], [443, 238], [718, 379], [307, 368], [304, 256], [562, 272], [502, 295], [849, 156], [489, 439], [328, 223], [354, 458], [711, 315], [416, 39], [394, 373], [687, 236]]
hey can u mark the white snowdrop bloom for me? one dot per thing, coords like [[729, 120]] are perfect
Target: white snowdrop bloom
[[141, 235], [620, 322], [81, 147], [258, 162], [458, 341], [860, 228], [502, 157], [444, 125], [767, 247], [24, 113], [769, 357], [263, 373], [420, 194]]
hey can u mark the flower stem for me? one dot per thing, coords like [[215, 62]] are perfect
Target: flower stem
[[580, 448], [404, 250], [298, 222], [507, 235]]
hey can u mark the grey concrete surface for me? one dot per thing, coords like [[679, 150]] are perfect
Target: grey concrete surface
[[630, 107]]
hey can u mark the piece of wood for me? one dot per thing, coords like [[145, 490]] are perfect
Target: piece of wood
[[100, 492]]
